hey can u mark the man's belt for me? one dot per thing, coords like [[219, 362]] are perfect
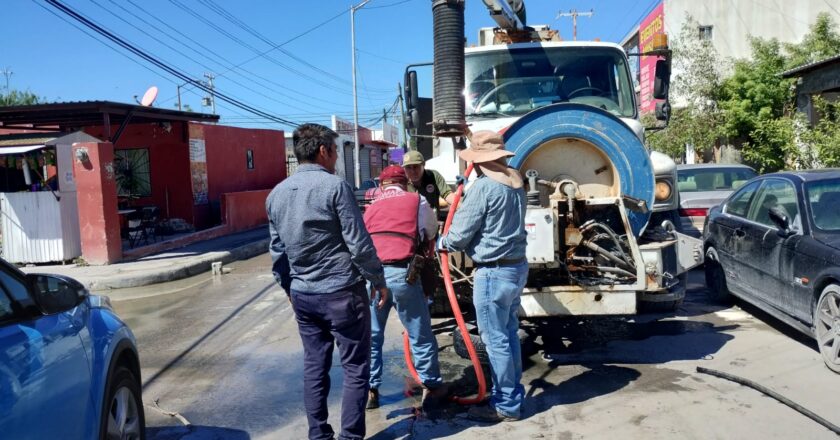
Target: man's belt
[[398, 263], [501, 262]]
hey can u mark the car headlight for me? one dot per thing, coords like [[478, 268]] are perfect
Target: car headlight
[[100, 302], [662, 191]]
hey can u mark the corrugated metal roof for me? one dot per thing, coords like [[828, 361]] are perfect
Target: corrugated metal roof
[[797, 71], [14, 140], [87, 113]]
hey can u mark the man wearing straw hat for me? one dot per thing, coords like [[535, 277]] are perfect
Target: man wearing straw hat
[[489, 227]]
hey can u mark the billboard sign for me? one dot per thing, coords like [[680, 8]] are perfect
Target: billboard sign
[[652, 25]]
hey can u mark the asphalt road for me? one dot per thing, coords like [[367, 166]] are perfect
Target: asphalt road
[[221, 359]]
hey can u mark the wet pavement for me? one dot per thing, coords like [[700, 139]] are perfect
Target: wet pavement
[[221, 359]]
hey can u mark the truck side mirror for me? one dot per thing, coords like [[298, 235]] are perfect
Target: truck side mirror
[[662, 79], [663, 111], [410, 81], [412, 119]]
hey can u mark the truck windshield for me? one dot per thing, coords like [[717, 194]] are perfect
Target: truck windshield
[[514, 82]]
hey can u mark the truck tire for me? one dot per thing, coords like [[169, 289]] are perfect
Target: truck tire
[[664, 306], [481, 349]]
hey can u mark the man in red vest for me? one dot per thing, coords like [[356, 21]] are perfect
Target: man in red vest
[[399, 222]]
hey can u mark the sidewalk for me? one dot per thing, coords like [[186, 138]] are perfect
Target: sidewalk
[[166, 266]]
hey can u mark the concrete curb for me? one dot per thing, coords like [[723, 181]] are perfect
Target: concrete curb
[[177, 271]]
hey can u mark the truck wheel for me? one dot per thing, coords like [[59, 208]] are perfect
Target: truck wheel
[[660, 306], [525, 344], [827, 326], [716, 282], [461, 346]]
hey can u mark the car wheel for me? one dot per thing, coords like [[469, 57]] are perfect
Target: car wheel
[[716, 281], [525, 344], [123, 408], [827, 326]]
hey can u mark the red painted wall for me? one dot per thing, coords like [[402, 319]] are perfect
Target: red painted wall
[[99, 224], [227, 170], [244, 210], [169, 165]]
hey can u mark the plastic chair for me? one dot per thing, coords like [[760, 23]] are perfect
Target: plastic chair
[[149, 221]]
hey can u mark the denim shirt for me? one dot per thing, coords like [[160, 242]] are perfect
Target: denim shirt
[[319, 243], [489, 224]]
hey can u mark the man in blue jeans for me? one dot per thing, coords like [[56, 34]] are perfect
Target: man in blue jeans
[[321, 256], [490, 227], [402, 224]]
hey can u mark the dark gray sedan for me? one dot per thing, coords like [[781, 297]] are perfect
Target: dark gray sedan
[[775, 243]]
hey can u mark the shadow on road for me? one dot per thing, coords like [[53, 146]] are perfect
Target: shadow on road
[[195, 432]]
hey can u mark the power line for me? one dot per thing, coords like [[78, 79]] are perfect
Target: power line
[[224, 62], [163, 66], [254, 49]]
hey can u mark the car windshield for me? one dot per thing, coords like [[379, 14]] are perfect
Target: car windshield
[[712, 179], [514, 82], [824, 198]]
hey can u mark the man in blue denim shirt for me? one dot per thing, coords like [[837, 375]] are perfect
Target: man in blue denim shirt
[[490, 227], [321, 256]]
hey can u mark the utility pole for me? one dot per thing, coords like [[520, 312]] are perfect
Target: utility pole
[[402, 117], [357, 169], [7, 73], [179, 97], [210, 78], [575, 14]]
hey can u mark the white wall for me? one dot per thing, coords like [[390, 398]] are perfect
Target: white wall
[[734, 20]]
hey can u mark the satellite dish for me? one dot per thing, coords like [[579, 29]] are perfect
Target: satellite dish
[[149, 96]]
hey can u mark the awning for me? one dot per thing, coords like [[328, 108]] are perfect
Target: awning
[[20, 149]]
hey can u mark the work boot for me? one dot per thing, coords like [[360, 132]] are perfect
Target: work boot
[[487, 413], [434, 396], [373, 399]]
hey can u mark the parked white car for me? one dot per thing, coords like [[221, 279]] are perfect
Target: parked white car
[[703, 186]]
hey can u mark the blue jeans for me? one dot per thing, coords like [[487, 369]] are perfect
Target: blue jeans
[[325, 320], [413, 311], [496, 296]]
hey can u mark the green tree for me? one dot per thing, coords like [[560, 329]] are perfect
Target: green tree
[[821, 42], [696, 119], [820, 144], [17, 97]]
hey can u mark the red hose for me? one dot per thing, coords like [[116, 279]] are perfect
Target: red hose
[[456, 310]]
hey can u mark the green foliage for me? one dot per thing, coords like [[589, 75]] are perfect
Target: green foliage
[[17, 97], [755, 93], [696, 84], [771, 143], [821, 42], [822, 140]]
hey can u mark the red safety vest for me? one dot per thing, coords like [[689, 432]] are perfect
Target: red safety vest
[[391, 221]]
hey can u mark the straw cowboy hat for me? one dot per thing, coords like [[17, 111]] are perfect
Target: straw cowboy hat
[[485, 146]]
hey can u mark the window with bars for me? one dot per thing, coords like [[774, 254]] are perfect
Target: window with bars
[[705, 33], [133, 172]]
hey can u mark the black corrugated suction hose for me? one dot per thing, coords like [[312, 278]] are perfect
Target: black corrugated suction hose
[[448, 119]]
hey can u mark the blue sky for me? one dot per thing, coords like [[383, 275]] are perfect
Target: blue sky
[[307, 79]]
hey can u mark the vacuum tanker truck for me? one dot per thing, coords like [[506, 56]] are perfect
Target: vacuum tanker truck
[[601, 237]]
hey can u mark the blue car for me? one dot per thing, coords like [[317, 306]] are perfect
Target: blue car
[[69, 367]]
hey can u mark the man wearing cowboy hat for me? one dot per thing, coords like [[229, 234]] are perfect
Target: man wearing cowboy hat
[[490, 227], [429, 183], [401, 224]]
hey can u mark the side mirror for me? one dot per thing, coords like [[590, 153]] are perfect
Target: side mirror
[[412, 119], [780, 219], [410, 89], [55, 293], [662, 79], [663, 111]]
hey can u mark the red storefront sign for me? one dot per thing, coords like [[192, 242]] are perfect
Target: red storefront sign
[[652, 25]]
